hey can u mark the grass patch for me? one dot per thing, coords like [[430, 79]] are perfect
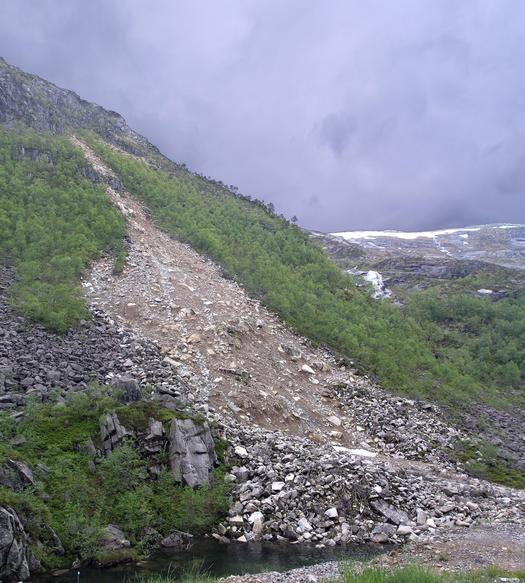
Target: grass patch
[[482, 461], [415, 574]]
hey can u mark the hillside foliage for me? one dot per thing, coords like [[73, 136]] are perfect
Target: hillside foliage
[[482, 338], [52, 222]]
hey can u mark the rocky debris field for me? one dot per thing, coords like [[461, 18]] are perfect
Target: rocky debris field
[[34, 362], [459, 549], [312, 574], [287, 488], [242, 363]]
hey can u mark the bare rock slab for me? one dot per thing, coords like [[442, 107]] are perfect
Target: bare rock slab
[[192, 452]]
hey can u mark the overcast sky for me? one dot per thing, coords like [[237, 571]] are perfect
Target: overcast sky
[[350, 114]]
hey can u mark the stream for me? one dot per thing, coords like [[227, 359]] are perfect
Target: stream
[[219, 560]]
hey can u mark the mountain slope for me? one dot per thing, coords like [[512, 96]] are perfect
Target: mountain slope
[[271, 258], [181, 337], [241, 359]]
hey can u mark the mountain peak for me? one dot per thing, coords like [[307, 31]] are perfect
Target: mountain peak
[[43, 106]]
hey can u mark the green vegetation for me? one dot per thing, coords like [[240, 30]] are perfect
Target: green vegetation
[[52, 222], [411, 574], [194, 574], [481, 338], [78, 502], [414, 574], [482, 460]]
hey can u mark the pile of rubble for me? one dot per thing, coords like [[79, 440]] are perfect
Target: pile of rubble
[[287, 488], [35, 362]]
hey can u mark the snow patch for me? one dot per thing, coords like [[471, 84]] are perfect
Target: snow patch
[[410, 235], [349, 235]]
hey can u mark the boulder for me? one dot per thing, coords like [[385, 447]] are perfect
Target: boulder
[[396, 516], [113, 538], [303, 526], [192, 452], [334, 420], [332, 513], [128, 387], [241, 451], [382, 532], [257, 519], [177, 539], [16, 475], [111, 432], [14, 554]]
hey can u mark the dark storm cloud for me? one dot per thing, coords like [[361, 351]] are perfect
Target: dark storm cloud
[[349, 114]]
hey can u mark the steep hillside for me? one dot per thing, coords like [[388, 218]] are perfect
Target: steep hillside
[[209, 368]]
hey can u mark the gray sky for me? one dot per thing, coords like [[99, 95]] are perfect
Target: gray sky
[[350, 114]]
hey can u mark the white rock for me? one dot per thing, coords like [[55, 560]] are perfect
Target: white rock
[[421, 517], [277, 486], [257, 519], [307, 369], [334, 420], [236, 520], [403, 529], [241, 451], [303, 525], [331, 513]]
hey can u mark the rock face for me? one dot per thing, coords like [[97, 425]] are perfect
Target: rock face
[[112, 432], [192, 452], [14, 554], [45, 107]]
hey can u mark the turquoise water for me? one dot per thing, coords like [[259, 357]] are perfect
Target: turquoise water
[[220, 560]]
